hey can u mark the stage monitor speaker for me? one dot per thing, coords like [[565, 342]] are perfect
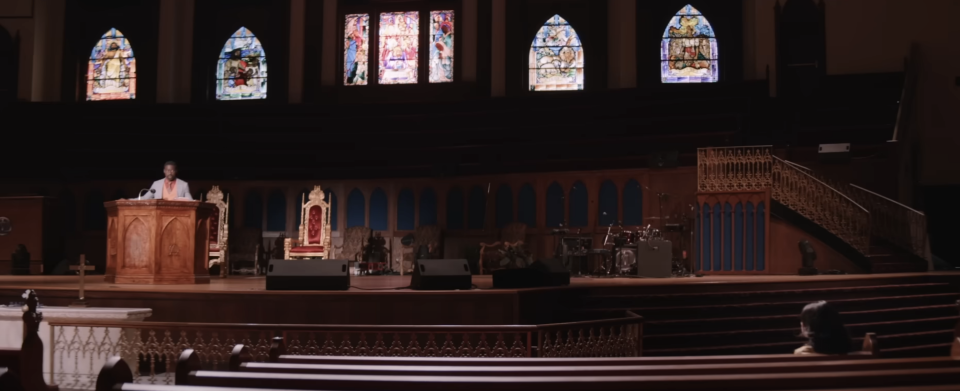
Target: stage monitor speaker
[[308, 275], [441, 274], [517, 278], [654, 258], [552, 272], [666, 159]]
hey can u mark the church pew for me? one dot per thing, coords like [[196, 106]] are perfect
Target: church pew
[[778, 381], [116, 375], [10, 360], [9, 381], [624, 370], [870, 349], [26, 363]]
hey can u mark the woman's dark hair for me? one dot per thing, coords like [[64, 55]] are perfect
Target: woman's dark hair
[[824, 329]]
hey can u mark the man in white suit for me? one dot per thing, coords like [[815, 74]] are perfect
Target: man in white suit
[[170, 187]]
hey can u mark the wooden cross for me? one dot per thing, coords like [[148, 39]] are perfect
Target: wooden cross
[[82, 267]]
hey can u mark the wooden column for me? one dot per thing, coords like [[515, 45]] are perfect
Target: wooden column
[[49, 20], [175, 51], [297, 24], [498, 56]]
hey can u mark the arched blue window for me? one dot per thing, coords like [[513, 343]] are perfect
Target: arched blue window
[[608, 213], [253, 210], [378, 210], [94, 214], [356, 209], [527, 206], [477, 209], [738, 237], [504, 206], [428, 207], [555, 215], [406, 208], [632, 203], [751, 226], [727, 242], [579, 209], [761, 237], [332, 200], [717, 234], [304, 196], [455, 209], [706, 254], [277, 211]]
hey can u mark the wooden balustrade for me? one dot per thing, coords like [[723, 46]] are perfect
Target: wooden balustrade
[[152, 348]]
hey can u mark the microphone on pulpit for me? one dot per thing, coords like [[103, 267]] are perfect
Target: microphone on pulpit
[[143, 190]]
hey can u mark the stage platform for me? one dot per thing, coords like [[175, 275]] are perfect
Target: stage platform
[[388, 299]]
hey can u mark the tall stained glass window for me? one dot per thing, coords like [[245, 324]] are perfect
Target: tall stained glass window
[[441, 46], [689, 49], [112, 69], [399, 44], [242, 69], [356, 32], [556, 57]]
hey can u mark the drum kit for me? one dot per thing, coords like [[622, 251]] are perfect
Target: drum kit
[[625, 244]]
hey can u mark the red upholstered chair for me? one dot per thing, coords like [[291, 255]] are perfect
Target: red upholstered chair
[[219, 228], [314, 238]]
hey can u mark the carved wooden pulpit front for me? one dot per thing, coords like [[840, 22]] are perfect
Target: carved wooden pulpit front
[[158, 242]]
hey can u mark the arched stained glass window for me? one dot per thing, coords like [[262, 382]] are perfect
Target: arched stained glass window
[[441, 48], [112, 69], [399, 47], [689, 49], [556, 57], [242, 69], [356, 45]]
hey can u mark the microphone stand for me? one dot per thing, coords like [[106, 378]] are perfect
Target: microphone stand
[[140, 194]]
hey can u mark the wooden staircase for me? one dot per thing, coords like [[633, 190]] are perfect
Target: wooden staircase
[[878, 233]]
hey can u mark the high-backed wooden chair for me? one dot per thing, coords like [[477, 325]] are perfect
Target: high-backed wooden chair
[[219, 228], [353, 241], [512, 234], [314, 238]]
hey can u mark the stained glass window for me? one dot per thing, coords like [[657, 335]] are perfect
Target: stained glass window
[[441, 47], [112, 69], [689, 49], [399, 44], [356, 33], [556, 57], [242, 69]]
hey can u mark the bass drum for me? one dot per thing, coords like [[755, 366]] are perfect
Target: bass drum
[[626, 261]]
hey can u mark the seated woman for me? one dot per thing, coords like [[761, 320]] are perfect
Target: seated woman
[[820, 323]]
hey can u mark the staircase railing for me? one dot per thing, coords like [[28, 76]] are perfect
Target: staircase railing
[[797, 189], [894, 222]]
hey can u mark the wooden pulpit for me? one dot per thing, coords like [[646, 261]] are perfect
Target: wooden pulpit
[[158, 242]]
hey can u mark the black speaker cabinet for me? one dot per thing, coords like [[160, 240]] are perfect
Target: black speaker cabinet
[[517, 278], [654, 258], [552, 272], [308, 275], [441, 274]]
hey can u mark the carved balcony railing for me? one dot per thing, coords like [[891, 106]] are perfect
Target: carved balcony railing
[[796, 188], [79, 349], [734, 168]]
